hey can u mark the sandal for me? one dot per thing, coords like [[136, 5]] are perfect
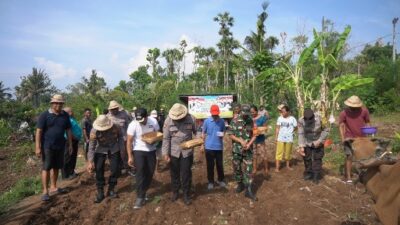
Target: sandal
[[59, 191], [45, 197]]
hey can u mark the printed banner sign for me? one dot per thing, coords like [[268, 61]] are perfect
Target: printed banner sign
[[199, 106]]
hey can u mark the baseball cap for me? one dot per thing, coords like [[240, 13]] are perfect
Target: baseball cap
[[214, 110], [140, 114]]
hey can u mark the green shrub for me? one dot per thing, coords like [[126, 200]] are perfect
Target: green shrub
[[5, 132], [22, 189], [396, 143]]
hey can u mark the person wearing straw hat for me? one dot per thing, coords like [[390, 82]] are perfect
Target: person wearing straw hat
[[351, 120], [106, 140], [50, 143], [179, 127], [142, 154], [122, 119]]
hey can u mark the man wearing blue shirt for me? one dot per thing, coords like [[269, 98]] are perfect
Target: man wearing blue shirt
[[213, 135]]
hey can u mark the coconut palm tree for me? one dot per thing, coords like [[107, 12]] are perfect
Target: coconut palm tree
[[35, 87], [4, 92]]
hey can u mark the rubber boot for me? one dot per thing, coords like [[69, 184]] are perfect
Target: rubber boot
[[111, 193], [249, 193], [240, 187], [316, 178], [186, 198], [99, 196], [308, 176]]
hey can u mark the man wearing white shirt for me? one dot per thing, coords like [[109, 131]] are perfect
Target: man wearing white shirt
[[144, 155]]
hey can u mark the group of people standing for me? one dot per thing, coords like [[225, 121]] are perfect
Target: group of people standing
[[117, 136]]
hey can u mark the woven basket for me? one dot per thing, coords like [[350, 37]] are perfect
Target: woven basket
[[152, 137], [192, 143]]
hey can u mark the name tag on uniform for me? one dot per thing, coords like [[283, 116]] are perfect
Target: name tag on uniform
[[189, 126]]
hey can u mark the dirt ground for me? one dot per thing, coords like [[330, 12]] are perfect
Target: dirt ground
[[283, 199]]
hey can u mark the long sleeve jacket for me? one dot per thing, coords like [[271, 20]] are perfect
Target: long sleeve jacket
[[311, 132]]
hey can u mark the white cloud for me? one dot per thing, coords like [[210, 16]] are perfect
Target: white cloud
[[134, 62], [55, 70]]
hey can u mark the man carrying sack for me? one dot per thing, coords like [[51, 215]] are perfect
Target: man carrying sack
[[179, 127], [106, 139]]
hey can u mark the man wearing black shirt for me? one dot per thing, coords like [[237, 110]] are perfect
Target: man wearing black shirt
[[50, 143]]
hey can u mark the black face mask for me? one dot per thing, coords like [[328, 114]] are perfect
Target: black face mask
[[309, 117]]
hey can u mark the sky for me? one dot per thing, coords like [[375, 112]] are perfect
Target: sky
[[70, 38]]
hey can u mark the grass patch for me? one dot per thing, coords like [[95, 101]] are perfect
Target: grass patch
[[19, 157], [22, 189], [388, 118]]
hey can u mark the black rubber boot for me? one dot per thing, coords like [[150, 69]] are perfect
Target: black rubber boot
[[239, 187], [99, 196], [175, 196], [308, 176], [111, 193], [316, 178], [186, 199], [249, 193]]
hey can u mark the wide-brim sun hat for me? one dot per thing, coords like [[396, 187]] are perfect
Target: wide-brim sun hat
[[177, 111], [353, 101], [113, 105], [102, 123], [57, 99]]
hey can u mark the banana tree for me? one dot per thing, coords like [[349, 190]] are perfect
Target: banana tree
[[344, 83], [328, 61], [294, 72]]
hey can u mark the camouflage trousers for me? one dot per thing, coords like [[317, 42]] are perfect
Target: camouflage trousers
[[245, 158]]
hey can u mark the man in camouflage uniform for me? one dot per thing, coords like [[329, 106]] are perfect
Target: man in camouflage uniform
[[241, 133]]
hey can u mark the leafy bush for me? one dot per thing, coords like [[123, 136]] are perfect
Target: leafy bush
[[396, 143], [5, 132], [22, 189]]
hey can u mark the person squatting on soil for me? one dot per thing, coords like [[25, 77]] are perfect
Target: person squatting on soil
[[312, 135], [50, 143], [179, 127], [106, 140], [141, 154], [68, 171], [213, 136], [285, 127], [260, 120], [351, 120], [86, 125], [241, 133], [121, 118]]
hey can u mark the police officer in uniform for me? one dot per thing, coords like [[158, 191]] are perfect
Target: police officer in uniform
[[106, 140], [179, 127]]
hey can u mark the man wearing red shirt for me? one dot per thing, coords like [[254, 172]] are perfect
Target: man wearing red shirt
[[351, 120]]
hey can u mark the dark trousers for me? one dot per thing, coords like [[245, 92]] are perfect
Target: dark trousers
[[181, 173], [99, 162], [313, 160], [86, 149], [214, 157], [145, 163], [70, 159]]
